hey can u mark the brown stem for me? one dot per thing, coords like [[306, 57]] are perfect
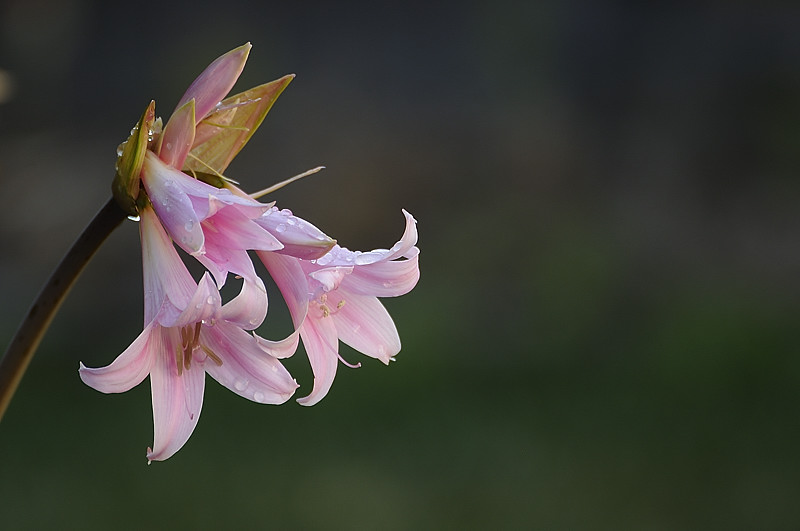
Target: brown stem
[[33, 327]]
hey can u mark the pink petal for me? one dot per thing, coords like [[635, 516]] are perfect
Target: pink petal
[[216, 81], [322, 348], [329, 278], [178, 136], [246, 369], [165, 274], [401, 248], [130, 367], [204, 305], [172, 204], [291, 281], [299, 237], [384, 279], [364, 324], [281, 349], [249, 308], [232, 228], [177, 400]]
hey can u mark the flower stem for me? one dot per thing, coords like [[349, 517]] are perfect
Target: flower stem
[[33, 327]]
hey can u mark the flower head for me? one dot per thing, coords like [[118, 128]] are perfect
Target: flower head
[[189, 333], [336, 297]]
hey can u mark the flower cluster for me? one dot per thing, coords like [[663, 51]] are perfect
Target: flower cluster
[[171, 177]]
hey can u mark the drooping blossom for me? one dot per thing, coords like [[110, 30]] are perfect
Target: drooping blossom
[[335, 297], [189, 333]]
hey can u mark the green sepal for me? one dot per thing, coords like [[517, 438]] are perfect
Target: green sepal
[[125, 186], [223, 132]]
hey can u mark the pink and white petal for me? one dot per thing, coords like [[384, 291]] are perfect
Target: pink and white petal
[[322, 347], [246, 369], [221, 261], [300, 238], [204, 305], [330, 278], [178, 136], [165, 274], [399, 249], [230, 227], [291, 281], [172, 204], [129, 369], [281, 349], [177, 400], [407, 241], [384, 279], [216, 81], [249, 308], [364, 324]]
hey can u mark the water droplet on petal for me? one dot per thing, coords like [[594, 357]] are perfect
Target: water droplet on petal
[[189, 226], [240, 385], [210, 300], [280, 228], [258, 396]]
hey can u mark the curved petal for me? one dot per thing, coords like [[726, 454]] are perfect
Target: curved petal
[[216, 80], [330, 278], [172, 204], [128, 370], [384, 279], [178, 136], [165, 274], [249, 308], [177, 400], [300, 238], [204, 305], [401, 248], [364, 324], [233, 228], [322, 348], [291, 281], [246, 369], [281, 349]]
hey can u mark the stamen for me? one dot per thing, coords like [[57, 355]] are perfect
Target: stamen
[[356, 366], [326, 312], [197, 326], [290, 180], [212, 170], [340, 304], [223, 126], [179, 360], [187, 357], [216, 359]]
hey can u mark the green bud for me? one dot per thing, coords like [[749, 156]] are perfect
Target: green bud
[[130, 160]]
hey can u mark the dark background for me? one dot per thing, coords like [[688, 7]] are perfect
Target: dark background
[[605, 332]]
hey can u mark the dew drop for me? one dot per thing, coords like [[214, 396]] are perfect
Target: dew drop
[[210, 300], [280, 228], [258, 396], [189, 226], [291, 221], [240, 385]]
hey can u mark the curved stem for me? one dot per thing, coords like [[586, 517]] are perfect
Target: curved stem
[[44, 308]]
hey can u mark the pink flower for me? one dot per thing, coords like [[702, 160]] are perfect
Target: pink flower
[[335, 297], [187, 334]]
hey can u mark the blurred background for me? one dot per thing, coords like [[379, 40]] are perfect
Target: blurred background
[[605, 332]]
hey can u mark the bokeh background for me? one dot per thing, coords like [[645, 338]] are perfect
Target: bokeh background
[[605, 332]]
